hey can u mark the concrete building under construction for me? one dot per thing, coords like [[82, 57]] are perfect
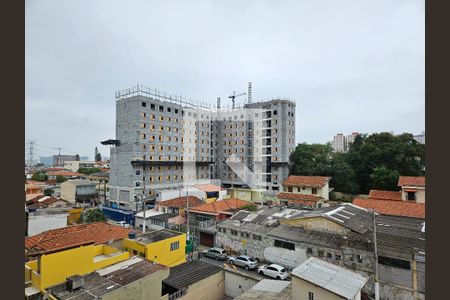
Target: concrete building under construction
[[165, 141]]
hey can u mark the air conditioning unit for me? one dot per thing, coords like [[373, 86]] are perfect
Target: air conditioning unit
[[74, 282]]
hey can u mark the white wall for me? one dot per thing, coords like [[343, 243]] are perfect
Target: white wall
[[38, 224]]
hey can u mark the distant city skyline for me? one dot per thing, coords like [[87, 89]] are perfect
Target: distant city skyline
[[348, 65]]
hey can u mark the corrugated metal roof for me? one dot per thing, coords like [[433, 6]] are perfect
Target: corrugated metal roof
[[333, 278], [190, 272]]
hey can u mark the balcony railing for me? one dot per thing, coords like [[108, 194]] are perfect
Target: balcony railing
[[207, 223]]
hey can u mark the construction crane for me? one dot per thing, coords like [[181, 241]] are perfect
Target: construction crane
[[232, 97]]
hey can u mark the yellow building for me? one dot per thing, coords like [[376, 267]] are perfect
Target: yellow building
[[164, 247], [53, 268], [252, 195]]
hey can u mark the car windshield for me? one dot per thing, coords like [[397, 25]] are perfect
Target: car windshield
[[283, 270], [251, 259]]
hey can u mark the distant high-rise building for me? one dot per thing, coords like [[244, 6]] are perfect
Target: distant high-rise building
[[339, 143], [420, 137], [351, 139]]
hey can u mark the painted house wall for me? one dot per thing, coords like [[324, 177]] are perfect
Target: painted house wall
[[420, 194], [300, 289], [159, 252], [210, 288], [41, 223], [56, 267], [148, 287], [307, 190]]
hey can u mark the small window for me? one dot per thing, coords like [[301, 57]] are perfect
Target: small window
[[359, 258], [169, 109], [320, 253], [176, 110], [314, 191], [337, 257], [138, 172], [329, 255], [290, 189], [161, 108], [138, 183], [309, 250], [275, 112], [144, 104], [174, 246], [310, 296]]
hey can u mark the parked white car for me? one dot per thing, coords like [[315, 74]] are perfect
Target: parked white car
[[122, 224], [244, 261], [274, 271]]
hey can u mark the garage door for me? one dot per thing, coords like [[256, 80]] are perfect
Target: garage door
[[206, 239]]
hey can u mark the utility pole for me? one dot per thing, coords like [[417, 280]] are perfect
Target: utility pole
[[377, 287]]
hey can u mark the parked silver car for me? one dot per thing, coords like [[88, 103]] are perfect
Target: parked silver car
[[244, 261], [274, 271], [216, 253]]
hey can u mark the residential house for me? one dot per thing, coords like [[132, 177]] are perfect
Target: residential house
[[75, 165], [408, 202], [74, 236], [318, 279], [101, 180], [78, 191], [258, 196], [412, 188], [154, 220], [177, 208], [212, 192], [46, 202], [33, 189], [203, 218], [307, 185], [66, 174], [134, 278], [165, 247], [340, 235], [195, 280]]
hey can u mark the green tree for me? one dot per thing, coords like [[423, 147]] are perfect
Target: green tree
[[88, 171], [93, 215], [383, 178], [312, 160], [60, 179], [342, 175], [97, 155], [39, 176], [399, 153]]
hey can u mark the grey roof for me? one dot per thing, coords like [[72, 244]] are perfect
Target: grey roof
[[80, 182], [349, 216], [96, 285], [156, 236], [333, 278], [268, 289], [269, 285], [190, 272], [298, 234]]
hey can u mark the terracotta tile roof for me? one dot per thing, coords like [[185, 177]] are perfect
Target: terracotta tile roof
[[385, 195], [180, 202], [300, 197], [220, 206], [39, 201], [64, 173], [393, 207], [411, 181], [75, 235], [208, 187], [312, 181]]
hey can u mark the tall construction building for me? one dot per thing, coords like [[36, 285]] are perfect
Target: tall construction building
[[168, 142]]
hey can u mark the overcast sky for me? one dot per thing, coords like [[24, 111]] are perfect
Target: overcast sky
[[349, 65]]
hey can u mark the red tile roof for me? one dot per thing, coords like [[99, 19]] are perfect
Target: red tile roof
[[385, 195], [64, 173], [75, 235], [393, 207], [411, 181], [220, 206], [37, 201], [312, 181], [208, 187], [180, 202], [299, 197]]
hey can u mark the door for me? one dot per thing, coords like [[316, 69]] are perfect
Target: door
[[206, 239]]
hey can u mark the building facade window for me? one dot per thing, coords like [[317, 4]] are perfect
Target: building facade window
[[174, 246], [285, 245], [310, 296]]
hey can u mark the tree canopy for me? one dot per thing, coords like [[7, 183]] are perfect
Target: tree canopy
[[372, 162], [97, 155], [88, 171], [93, 215], [39, 176]]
